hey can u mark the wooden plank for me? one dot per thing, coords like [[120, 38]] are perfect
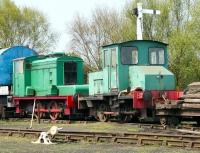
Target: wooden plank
[[189, 100], [195, 96], [189, 105]]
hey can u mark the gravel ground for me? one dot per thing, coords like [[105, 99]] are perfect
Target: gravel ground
[[93, 126], [23, 145]]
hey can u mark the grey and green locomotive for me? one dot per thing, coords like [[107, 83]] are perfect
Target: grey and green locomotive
[[134, 77]]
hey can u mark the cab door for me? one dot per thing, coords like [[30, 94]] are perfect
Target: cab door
[[110, 69], [18, 82], [113, 70]]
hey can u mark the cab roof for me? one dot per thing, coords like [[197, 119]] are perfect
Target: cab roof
[[132, 41]]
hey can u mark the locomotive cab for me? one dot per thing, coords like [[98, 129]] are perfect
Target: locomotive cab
[[135, 64]]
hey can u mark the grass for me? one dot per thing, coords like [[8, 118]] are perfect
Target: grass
[[93, 126], [24, 145]]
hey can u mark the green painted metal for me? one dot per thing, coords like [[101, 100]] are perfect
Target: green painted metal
[[96, 83], [151, 78], [73, 89], [21, 77], [118, 77], [45, 75]]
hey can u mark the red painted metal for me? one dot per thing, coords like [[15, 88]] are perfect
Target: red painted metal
[[67, 111], [137, 100], [68, 101], [157, 96], [47, 111], [69, 104], [42, 110], [174, 95], [16, 103], [41, 98]]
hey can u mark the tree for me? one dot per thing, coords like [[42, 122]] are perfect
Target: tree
[[24, 26], [104, 27], [183, 58], [174, 15], [185, 49]]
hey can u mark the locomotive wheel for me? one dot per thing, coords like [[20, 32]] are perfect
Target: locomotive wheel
[[36, 116], [163, 121], [41, 113], [173, 121], [125, 118], [53, 115], [197, 121], [100, 115]]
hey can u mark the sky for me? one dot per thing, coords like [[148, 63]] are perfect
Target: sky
[[61, 12]]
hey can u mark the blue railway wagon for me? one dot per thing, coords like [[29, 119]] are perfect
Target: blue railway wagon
[[7, 55]]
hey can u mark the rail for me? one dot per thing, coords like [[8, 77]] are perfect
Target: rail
[[137, 138]]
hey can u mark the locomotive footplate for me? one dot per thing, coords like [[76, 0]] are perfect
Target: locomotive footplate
[[169, 105]]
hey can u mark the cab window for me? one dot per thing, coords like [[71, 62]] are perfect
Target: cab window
[[156, 56], [70, 73], [19, 66], [106, 58], [113, 57], [129, 55]]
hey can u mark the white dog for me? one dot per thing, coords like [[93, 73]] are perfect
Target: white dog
[[44, 136]]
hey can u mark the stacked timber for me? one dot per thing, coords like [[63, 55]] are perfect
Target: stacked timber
[[194, 88], [192, 96], [193, 91]]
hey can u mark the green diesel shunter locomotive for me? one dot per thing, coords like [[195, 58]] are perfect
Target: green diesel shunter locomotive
[[52, 81], [133, 78]]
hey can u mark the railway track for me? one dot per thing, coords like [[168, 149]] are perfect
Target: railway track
[[151, 126], [51, 121], [136, 138]]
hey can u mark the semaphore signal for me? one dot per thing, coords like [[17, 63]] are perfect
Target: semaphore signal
[[138, 12]]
